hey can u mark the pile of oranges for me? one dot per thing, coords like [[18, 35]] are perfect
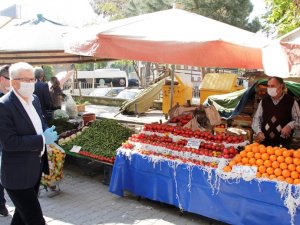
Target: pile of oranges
[[273, 163]]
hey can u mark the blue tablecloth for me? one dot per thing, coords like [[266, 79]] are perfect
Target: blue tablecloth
[[244, 202]]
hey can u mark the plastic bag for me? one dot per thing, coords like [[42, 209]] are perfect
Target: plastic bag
[[71, 108], [60, 114]]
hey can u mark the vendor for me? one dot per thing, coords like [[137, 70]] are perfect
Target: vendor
[[276, 116]]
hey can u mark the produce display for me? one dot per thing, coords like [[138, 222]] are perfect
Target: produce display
[[99, 140], [56, 157], [273, 163], [168, 142]]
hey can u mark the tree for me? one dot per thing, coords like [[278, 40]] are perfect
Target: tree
[[283, 15], [233, 12], [48, 70]]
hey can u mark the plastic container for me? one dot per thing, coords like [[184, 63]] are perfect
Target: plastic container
[[217, 84], [181, 95], [87, 117]]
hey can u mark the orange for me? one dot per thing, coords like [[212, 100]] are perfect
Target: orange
[[250, 155], [252, 161], [272, 177], [286, 173], [245, 160], [278, 172], [296, 161], [259, 162], [258, 174], [298, 168], [296, 154], [280, 159], [255, 149], [289, 180], [232, 163], [286, 153], [238, 158], [288, 160], [281, 178], [267, 163], [262, 169], [278, 152], [257, 155], [227, 168], [270, 170], [294, 175], [283, 166], [265, 156], [273, 157], [297, 181], [275, 164], [248, 148], [243, 153], [270, 150], [291, 167], [265, 175], [262, 149]]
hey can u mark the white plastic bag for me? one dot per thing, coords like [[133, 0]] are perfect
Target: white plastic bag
[[71, 108]]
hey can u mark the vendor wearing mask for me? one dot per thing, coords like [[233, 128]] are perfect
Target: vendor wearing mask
[[276, 116]]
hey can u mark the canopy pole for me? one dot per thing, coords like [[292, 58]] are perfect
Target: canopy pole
[[172, 85]]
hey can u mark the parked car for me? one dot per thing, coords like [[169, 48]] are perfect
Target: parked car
[[106, 92], [128, 93]]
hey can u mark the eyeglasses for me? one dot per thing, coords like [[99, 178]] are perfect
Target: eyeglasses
[[27, 80]]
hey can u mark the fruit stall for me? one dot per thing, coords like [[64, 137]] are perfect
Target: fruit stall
[[211, 172]]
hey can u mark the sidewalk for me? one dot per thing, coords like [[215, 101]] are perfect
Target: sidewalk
[[85, 200]]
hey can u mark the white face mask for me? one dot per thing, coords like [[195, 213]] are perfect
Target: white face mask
[[272, 91], [26, 89]]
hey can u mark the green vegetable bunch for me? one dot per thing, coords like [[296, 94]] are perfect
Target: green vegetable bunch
[[102, 137]]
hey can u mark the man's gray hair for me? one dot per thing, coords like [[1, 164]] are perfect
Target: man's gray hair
[[15, 69], [38, 73]]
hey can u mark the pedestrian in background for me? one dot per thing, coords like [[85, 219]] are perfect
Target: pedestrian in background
[[42, 91], [56, 93], [23, 135], [4, 88]]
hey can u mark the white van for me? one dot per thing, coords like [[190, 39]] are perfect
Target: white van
[[103, 78]]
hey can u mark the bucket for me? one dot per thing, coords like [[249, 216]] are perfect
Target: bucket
[[87, 117]]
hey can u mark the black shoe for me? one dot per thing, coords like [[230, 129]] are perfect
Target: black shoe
[[3, 210]]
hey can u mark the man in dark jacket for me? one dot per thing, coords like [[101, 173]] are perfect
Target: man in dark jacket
[[23, 135], [4, 88], [42, 91]]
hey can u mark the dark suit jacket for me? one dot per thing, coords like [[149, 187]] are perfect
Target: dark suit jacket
[[41, 90], [21, 163]]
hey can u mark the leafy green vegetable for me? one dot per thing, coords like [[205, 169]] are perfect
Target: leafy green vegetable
[[103, 137]]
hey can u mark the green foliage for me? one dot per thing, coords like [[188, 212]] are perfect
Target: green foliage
[[48, 70], [233, 12], [283, 14]]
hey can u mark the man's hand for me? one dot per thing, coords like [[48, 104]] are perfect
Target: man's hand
[[286, 131], [260, 137]]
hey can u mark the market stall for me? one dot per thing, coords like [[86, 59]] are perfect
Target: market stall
[[218, 176]]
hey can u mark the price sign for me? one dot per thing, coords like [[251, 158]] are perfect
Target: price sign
[[193, 143], [75, 149], [245, 170]]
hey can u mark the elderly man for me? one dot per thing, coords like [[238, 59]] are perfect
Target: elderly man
[[42, 91], [276, 116], [4, 88], [23, 135]]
